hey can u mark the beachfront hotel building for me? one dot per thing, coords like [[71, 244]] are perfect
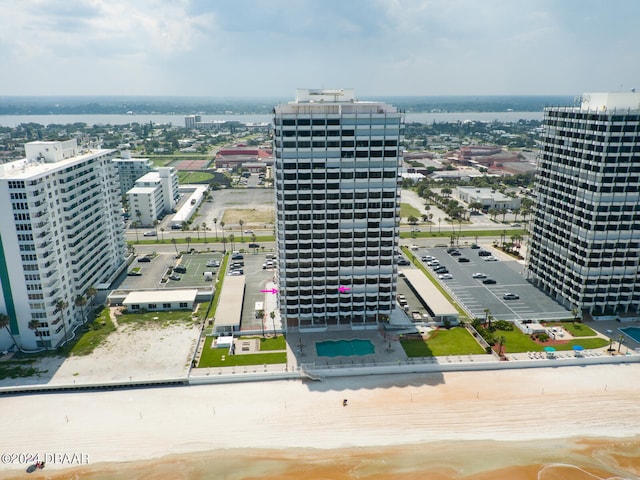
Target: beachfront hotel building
[[337, 162], [585, 232], [61, 232]]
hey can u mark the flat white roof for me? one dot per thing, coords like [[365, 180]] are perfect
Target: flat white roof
[[161, 296], [437, 302], [229, 308]]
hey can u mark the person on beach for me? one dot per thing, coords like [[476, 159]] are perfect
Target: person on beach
[[344, 402]]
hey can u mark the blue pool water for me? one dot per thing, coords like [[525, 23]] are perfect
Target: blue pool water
[[633, 332], [345, 348]]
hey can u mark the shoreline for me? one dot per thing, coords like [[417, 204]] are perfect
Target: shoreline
[[542, 406]]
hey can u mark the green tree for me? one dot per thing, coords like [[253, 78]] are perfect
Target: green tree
[[5, 323], [174, 241], [273, 321], [215, 225], [33, 325], [241, 222], [204, 230], [61, 306], [81, 301], [188, 240]]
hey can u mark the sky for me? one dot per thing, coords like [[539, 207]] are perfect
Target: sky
[[269, 48]]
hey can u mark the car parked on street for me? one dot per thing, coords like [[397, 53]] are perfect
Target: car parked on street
[[489, 281], [445, 276]]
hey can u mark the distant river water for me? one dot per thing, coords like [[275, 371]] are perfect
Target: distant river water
[[178, 120]]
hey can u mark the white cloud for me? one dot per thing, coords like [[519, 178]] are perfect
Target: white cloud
[[270, 47]]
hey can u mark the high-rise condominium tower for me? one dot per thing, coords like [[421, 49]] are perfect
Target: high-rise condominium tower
[[61, 232], [337, 203], [585, 234]]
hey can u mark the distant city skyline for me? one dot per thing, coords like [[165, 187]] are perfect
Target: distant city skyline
[[270, 48]]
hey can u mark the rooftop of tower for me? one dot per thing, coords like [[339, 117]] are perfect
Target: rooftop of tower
[[332, 101]]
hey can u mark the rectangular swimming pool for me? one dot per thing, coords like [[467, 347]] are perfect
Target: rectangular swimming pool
[[633, 332], [345, 348]]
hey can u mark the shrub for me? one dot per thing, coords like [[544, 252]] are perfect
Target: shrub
[[503, 325]]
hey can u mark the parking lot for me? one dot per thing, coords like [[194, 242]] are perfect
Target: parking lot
[[153, 271], [509, 276]]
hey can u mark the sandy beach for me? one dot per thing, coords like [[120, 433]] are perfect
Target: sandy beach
[[547, 407]]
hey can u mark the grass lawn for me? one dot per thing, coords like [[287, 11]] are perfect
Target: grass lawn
[[97, 332], [212, 357], [517, 341], [272, 343], [455, 341], [575, 329], [407, 210], [17, 369], [232, 216], [163, 318], [194, 177]]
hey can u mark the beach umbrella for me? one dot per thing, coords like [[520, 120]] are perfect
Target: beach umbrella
[[578, 348], [549, 349]]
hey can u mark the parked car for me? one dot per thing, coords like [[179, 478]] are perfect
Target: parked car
[[403, 261], [489, 281], [235, 273], [144, 259], [237, 256], [441, 270], [483, 253], [463, 259], [455, 253], [248, 232], [452, 249], [150, 233], [174, 276], [490, 259], [254, 245], [479, 275], [510, 296], [445, 276], [426, 258], [213, 263], [180, 269], [475, 246]]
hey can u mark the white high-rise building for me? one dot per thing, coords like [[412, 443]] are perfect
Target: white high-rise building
[[154, 195], [61, 232], [337, 189], [585, 234]]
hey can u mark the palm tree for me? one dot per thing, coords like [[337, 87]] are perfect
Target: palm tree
[[61, 306], [5, 322], [273, 320], [33, 325], [222, 227], [231, 239], [135, 225], [574, 312], [81, 301], [501, 341], [439, 223], [253, 238], [174, 241], [430, 216], [224, 244], [162, 234], [204, 229], [215, 225], [90, 294], [241, 222], [197, 229], [188, 240]]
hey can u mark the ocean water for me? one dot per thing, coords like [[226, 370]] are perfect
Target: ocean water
[[570, 459]]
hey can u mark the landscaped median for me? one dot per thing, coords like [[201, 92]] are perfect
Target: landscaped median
[[272, 351]]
